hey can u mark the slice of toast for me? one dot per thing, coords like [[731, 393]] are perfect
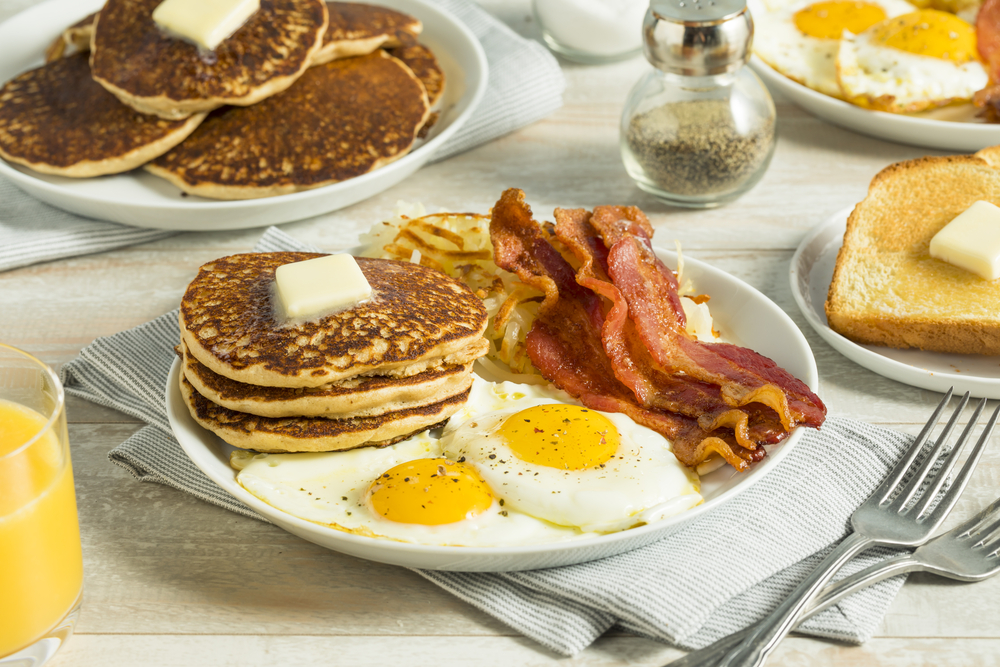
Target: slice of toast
[[887, 289]]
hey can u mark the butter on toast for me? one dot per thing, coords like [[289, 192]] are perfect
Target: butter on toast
[[888, 290], [56, 120], [340, 120], [157, 74], [357, 29], [417, 319]]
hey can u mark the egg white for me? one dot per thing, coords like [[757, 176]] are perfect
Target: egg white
[[808, 60], [900, 82], [644, 482], [329, 488]]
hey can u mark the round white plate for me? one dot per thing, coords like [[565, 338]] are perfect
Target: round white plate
[[140, 199], [952, 128], [811, 273], [741, 313]]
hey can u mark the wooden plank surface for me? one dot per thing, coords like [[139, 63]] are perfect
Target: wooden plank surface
[[171, 580]]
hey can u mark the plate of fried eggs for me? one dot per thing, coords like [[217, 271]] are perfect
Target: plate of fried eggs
[[521, 477], [884, 68]]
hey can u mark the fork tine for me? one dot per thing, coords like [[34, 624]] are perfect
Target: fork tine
[[892, 480], [908, 491], [942, 475], [958, 483]]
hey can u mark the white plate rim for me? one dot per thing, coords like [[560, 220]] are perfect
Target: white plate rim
[[195, 446], [420, 155], [925, 132], [864, 355]]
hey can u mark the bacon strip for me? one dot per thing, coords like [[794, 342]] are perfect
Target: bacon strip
[[743, 376], [632, 364], [565, 341]]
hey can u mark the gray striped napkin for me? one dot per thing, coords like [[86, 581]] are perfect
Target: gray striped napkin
[[525, 85], [726, 570]]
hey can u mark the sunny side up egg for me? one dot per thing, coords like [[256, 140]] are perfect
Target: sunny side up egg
[[802, 39], [490, 480], [910, 63]]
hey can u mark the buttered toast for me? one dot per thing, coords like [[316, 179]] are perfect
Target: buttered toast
[[887, 289]]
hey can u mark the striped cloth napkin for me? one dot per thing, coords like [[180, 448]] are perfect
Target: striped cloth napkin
[[525, 85], [711, 578]]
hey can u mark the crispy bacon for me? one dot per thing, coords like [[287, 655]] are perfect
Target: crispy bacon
[[988, 44], [631, 361], [565, 340], [743, 376]]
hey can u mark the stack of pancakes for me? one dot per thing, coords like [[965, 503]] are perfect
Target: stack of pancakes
[[371, 375], [305, 94]]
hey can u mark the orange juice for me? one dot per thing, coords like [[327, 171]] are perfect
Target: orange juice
[[41, 571]]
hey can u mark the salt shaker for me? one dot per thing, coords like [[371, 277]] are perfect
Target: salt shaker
[[592, 31], [698, 131]]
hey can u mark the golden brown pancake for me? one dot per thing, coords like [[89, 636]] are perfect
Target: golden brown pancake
[[56, 120], [155, 73], [77, 36], [356, 397], [340, 120], [304, 434], [424, 65], [417, 319], [356, 29]]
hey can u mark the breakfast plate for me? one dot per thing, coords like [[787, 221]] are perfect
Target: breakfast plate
[[951, 128], [140, 199], [741, 313], [811, 273]]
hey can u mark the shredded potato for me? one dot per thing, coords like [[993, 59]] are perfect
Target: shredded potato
[[458, 244]]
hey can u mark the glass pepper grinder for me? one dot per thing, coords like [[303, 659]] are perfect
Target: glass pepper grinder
[[698, 131]]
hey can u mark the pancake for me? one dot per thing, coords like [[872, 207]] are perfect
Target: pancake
[[340, 120], [357, 29], [417, 319], [77, 36], [56, 120], [356, 397], [424, 65], [158, 74], [303, 434]]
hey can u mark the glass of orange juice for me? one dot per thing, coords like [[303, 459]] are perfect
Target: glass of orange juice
[[41, 569]]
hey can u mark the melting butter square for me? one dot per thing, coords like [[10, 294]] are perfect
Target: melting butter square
[[205, 22], [323, 284], [971, 241]]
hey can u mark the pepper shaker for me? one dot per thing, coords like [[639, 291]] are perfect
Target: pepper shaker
[[698, 131]]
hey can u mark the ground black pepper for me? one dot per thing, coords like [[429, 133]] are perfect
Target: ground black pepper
[[693, 148]]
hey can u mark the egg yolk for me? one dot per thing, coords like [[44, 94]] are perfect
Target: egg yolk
[[561, 436], [429, 492], [929, 32], [829, 20]]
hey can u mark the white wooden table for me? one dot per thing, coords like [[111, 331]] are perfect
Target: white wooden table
[[170, 580]]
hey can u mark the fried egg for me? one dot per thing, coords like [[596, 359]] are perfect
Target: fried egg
[[547, 456], [801, 39], [407, 492], [921, 60]]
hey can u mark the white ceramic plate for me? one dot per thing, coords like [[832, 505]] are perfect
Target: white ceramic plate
[[952, 129], [741, 313], [811, 273], [140, 199]]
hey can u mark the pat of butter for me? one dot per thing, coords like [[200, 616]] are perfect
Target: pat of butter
[[972, 241], [320, 285], [204, 22]]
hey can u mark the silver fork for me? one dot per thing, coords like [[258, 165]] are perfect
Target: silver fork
[[904, 511], [970, 552]]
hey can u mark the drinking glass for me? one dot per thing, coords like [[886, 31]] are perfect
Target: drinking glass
[[41, 568]]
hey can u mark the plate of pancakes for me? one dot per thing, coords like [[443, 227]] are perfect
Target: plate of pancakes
[[243, 355], [367, 100]]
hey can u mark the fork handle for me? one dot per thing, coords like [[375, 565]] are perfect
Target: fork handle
[[831, 595], [771, 630]]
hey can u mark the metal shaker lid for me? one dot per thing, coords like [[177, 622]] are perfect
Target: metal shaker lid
[[697, 37]]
